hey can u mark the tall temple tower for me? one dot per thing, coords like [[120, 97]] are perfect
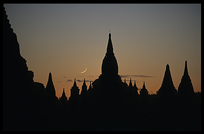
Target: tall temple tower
[[50, 89], [109, 79], [167, 89], [143, 91], [74, 91], [108, 87], [185, 87], [109, 65], [74, 98], [63, 98], [50, 86], [84, 89]]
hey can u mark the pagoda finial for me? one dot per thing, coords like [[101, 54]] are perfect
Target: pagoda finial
[[50, 75], [144, 84], [130, 84], [110, 46], [84, 88], [74, 81], [109, 34], [186, 69], [84, 84], [109, 64]]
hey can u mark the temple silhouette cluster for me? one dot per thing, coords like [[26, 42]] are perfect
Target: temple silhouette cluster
[[108, 103]]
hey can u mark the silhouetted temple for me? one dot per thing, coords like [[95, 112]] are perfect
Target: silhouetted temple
[[130, 86], [135, 88], [84, 89], [50, 89], [108, 104], [109, 65], [83, 96], [63, 98], [74, 98], [17, 80], [143, 91], [90, 88], [167, 89], [132, 92], [185, 88], [107, 87]]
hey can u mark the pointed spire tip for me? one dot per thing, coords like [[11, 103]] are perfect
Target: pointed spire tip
[[185, 69], [109, 34]]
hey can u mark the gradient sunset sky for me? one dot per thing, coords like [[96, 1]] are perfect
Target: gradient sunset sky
[[65, 39]]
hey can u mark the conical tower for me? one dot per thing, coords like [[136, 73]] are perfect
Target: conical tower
[[185, 87], [130, 88], [107, 88], [83, 99], [109, 79], [84, 89], [63, 98], [74, 90], [130, 83], [50, 86], [125, 84], [135, 87], [109, 65], [90, 86], [143, 91], [167, 88]]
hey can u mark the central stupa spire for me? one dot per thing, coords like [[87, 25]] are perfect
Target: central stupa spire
[[109, 65], [110, 46]]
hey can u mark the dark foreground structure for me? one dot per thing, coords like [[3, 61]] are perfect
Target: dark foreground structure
[[107, 104]]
